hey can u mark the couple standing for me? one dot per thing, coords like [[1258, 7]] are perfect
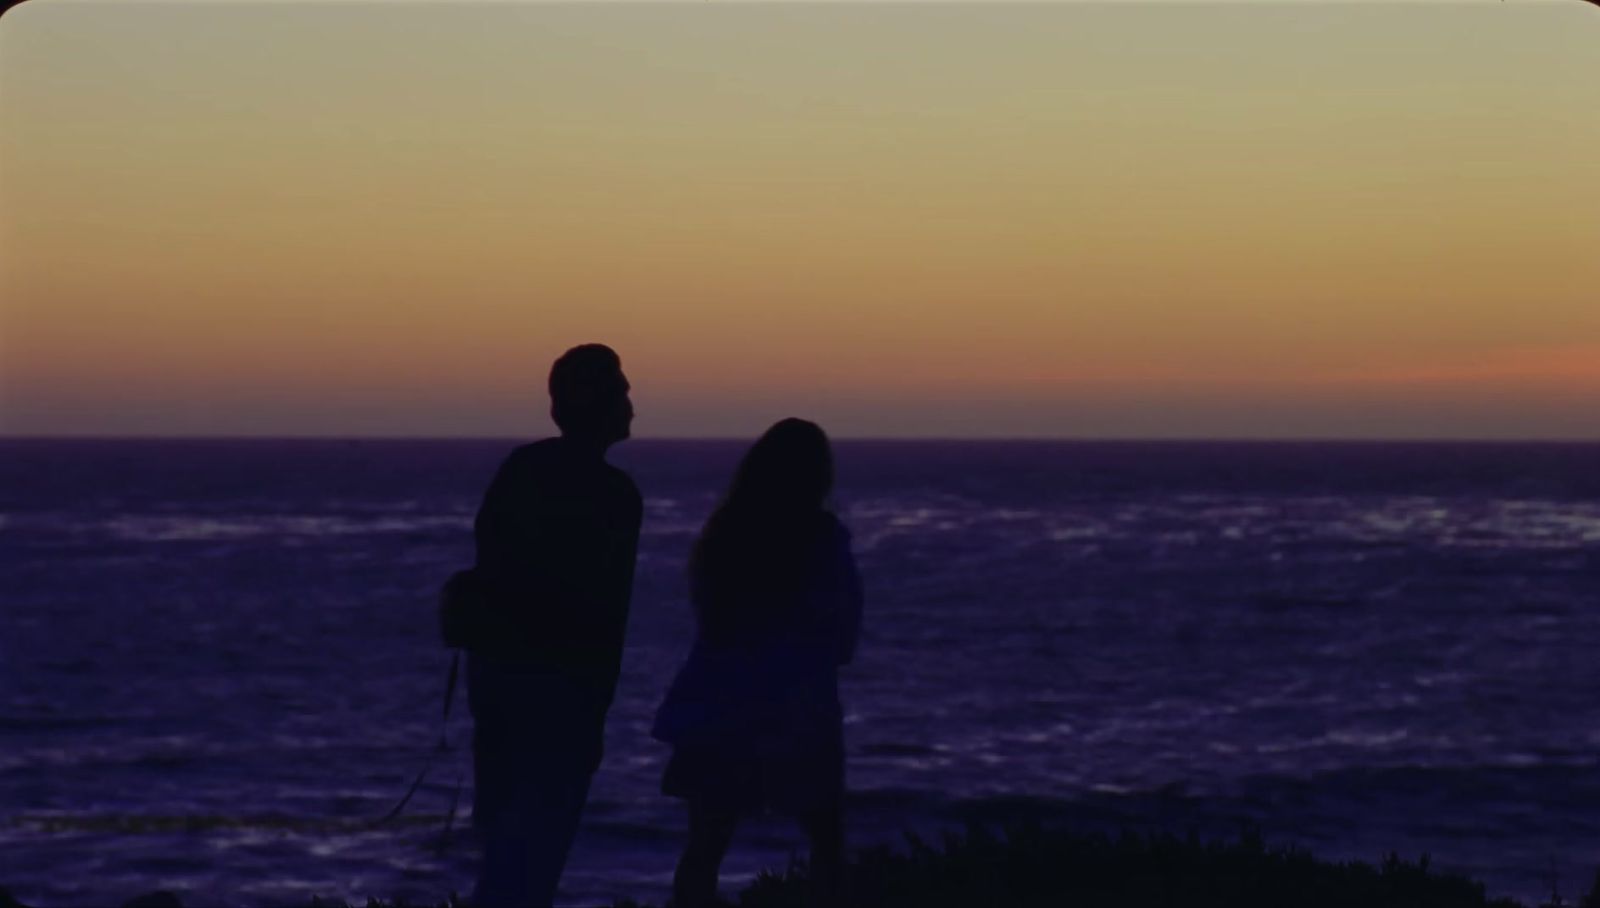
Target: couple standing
[[753, 717]]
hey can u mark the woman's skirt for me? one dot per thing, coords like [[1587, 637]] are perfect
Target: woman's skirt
[[798, 782]]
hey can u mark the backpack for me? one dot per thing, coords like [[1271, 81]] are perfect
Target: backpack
[[464, 613]]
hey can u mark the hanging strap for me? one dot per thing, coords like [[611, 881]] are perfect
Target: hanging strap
[[443, 747]]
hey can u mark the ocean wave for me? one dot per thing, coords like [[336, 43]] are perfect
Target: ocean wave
[[213, 528], [166, 823]]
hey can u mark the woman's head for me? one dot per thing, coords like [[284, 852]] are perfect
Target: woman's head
[[755, 556], [789, 468]]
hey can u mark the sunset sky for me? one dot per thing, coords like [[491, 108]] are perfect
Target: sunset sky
[[1193, 219]]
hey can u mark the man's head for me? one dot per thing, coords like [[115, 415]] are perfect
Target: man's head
[[589, 395]]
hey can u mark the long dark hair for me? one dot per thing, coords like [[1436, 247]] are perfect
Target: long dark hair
[[752, 560]]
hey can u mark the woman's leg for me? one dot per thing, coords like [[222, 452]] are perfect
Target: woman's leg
[[710, 830], [825, 828]]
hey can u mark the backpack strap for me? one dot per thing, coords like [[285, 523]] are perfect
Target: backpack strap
[[442, 747]]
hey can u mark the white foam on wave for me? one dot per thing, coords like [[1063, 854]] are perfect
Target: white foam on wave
[[205, 528]]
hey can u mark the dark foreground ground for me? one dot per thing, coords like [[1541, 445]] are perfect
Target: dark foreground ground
[[1030, 867], [1033, 867]]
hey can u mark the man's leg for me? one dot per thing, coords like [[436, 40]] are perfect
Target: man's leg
[[694, 885], [557, 807], [501, 880], [536, 747], [497, 817], [496, 755], [825, 829], [527, 832]]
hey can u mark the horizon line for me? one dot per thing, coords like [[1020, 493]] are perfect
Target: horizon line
[[875, 439]]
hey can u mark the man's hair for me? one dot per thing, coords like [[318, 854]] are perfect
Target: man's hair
[[581, 379]]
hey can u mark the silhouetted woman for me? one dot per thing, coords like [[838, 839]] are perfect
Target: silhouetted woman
[[754, 715]]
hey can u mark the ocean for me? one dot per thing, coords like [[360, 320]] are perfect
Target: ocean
[[219, 663]]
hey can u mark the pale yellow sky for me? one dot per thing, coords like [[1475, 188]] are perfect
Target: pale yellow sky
[[1329, 219]]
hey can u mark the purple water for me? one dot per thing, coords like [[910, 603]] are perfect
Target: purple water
[[219, 665]]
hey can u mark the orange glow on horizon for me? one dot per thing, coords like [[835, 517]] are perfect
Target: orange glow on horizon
[[327, 218]]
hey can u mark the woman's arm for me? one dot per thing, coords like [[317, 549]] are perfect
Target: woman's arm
[[849, 599]]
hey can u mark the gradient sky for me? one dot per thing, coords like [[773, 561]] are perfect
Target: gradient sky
[[1109, 220]]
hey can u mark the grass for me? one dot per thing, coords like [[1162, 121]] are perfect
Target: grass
[[1030, 866]]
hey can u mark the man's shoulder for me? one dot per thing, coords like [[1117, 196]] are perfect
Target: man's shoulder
[[535, 451], [620, 476], [834, 530], [526, 469], [626, 488], [536, 458], [550, 463], [831, 524]]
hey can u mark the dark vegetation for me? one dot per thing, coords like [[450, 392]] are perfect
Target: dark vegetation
[[1033, 867]]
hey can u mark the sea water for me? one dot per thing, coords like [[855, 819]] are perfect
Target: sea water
[[219, 663]]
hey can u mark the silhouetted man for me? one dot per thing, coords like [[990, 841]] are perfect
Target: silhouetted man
[[556, 537]]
